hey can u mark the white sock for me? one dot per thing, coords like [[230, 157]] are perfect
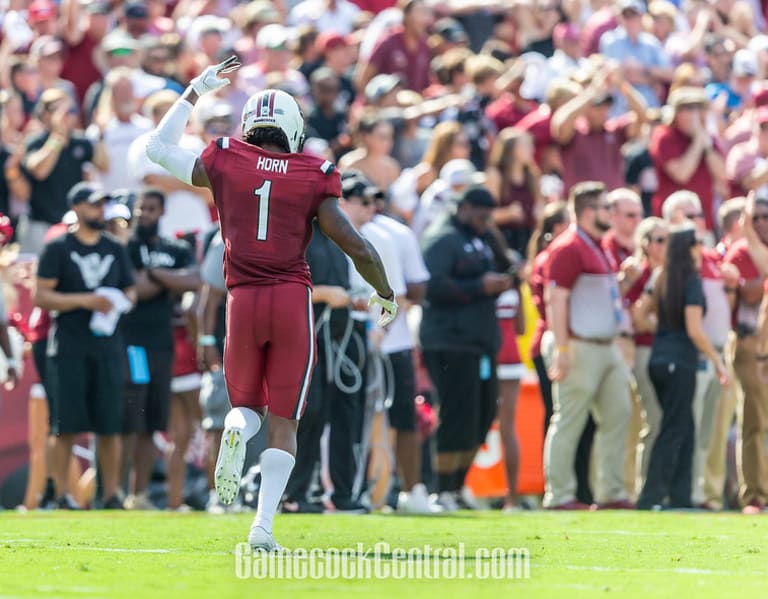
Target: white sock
[[246, 420], [276, 467]]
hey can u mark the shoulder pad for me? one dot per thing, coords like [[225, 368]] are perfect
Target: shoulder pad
[[327, 167], [223, 143]]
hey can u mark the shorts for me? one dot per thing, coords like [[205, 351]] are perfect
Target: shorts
[[467, 402], [147, 405], [87, 390], [270, 348], [214, 401], [510, 366], [402, 412], [185, 353]]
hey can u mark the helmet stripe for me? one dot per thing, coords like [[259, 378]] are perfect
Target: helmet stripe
[[272, 104]]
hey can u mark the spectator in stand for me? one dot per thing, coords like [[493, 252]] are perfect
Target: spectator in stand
[[326, 15], [373, 157], [403, 51], [255, 15], [275, 56], [163, 269], [684, 153], [509, 107], [325, 120], [135, 21], [639, 174], [641, 58], [448, 142], [338, 54], [677, 299], [53, 163], [47, 54], [746, 165], [513, 180], [14, 186], [461, 356], [590, 142], [566, 60], [536, 23], [117, 123], [436, 201], [85, 369], [83, 26], [538, 124], [729, 224], [752, 463], [651, 242], [584, 315]]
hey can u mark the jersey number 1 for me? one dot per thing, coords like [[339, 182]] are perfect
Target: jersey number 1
[[263, 193]]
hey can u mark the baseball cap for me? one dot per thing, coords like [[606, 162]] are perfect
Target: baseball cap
[[330, 41], [136, 10], [478, 196], [85, 191], [687, 95], [632, 5], [451, 31], [662, 8], [745, 63], [41, 10], [354, 186], [115, 210], [760, 96], [457, 172], [118, 41], [46, 45], [273, 37], [380, 86]]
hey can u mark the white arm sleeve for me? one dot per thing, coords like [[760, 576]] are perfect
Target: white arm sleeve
[[163, 144]]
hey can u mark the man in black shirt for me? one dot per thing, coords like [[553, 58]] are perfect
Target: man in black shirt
[[164, 269], [53, 162], [80, 274], [326, 121]]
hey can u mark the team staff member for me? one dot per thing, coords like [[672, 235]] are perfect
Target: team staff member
[[85, 369], [460, 335], [584, 313], [164, 268]]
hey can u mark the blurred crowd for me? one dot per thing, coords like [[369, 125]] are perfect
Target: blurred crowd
[[495, 150]]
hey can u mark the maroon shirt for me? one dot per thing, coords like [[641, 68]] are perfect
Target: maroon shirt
[[634, 293], [537, 123], [537, 295], [79, 66], [266, 202], [595, 155], [391, 56], [505, 112]]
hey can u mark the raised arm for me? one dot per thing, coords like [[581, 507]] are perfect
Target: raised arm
[[163, 144]]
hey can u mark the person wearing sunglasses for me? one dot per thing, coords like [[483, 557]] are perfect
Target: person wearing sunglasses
[[678, 302], [584, 314]]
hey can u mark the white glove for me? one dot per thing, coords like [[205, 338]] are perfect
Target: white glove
[[209, 80], [388, 308]]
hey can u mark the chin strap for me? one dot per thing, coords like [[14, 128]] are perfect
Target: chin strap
[[163, 145]]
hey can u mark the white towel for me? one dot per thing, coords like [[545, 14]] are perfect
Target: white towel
[[104, 325]]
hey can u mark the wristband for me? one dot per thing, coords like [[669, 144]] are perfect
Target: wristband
[[206, 340], [12, 363], [56, 143], [389, 297]]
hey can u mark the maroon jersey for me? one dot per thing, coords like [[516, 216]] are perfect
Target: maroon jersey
[[266, 203]]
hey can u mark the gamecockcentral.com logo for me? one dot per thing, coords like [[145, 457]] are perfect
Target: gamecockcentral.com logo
[[383, 561]]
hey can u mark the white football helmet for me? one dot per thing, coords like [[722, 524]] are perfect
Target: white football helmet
[[275, 108]]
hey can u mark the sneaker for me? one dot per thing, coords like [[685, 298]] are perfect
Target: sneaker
[[753, 507], [214, 504], [347, 506], [48, 500], [447, 501], [229, 465], [113, 503], [259, 538], [301, 507], [139, 501], [570, 506], [67, 502], [417, 501], [467, 500]]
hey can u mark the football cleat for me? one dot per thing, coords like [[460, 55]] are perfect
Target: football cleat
[[259, 538], [229, 465]]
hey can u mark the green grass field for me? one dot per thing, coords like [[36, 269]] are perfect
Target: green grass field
[[611, 554]]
